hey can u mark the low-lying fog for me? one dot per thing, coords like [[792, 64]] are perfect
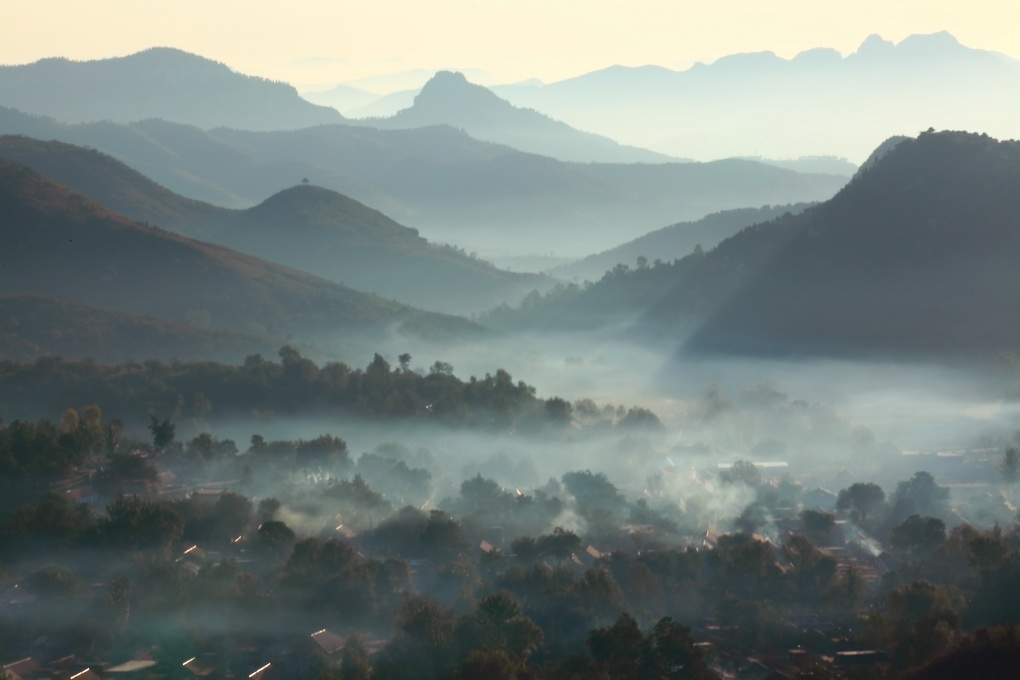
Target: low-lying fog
[[819, 424]]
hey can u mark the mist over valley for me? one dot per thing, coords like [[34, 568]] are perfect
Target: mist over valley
[[495, 381]]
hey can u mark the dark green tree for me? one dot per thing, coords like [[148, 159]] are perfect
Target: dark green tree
[[919, 535], [162, 432], [861, 499], [920, 495]]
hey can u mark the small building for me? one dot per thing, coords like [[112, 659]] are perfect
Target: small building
[[135, 666], [86, 674], [22, 669], [330, 643]]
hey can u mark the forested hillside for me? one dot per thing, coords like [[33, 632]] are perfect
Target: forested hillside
[[60, 244], [917, 256]]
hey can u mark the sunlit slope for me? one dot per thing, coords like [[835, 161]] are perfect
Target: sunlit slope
[[306, 227], [161, 83], [113, 184], [58, 243], [33, 326]]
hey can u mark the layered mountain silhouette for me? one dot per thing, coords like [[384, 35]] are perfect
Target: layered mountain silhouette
[[449, 99], [916, 257], [60, 244], [672, 242], [305, 227], [483, 196], [819, 102], [377, 107], [162, 83]]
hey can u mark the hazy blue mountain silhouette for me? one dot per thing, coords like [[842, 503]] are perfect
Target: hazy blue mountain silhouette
[[673, 242], [449, 99], [341, 97], [451, 187], [306, 227], [818, 102], [160, 83]]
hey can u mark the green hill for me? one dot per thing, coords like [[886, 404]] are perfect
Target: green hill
[[478, 195], [336, 237], [32, 326], [305, 227], [161, 83], [916, 257], [59, 244]]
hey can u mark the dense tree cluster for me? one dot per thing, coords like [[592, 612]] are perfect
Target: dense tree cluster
[[488, 583], [293, 385]]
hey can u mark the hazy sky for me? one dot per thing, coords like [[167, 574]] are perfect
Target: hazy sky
[[509, 39]]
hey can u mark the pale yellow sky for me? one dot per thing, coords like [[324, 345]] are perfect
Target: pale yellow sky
[[509, 39]]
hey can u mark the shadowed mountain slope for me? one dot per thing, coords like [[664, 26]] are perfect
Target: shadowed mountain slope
[[338, 238], [32, 326], [305, 227], [673, 242], [161, 83], [111, 183], [916, 257], [60, 244]]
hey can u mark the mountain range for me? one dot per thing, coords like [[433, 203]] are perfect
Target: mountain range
[[161, 82], [453, 188], [916, 257], [819, 102], [449, 99], [305, 227]]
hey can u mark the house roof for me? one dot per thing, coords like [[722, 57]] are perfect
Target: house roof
[[132, 666], [259, 673], [329, 642], [197, 668], [87, 674], [22, 667]]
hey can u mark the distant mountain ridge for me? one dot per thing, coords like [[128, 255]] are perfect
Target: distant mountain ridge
[[449, 99], [819, 102], [162, 83], [306, 227], [917, 256]]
